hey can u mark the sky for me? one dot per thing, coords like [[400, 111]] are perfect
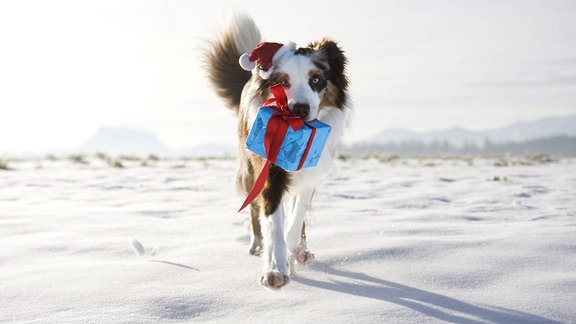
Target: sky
[[68, 68]]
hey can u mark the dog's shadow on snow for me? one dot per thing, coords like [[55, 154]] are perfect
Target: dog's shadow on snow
[[431, 304]]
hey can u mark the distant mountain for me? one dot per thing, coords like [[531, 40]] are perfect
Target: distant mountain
[[556, 145], [117, 141], [126, 141], [518, 132]]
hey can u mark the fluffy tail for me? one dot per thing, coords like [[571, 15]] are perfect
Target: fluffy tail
[[239, 36]]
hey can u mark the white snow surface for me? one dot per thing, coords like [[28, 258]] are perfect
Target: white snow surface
[[403, 241]]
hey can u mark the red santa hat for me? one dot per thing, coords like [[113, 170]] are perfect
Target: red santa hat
[[263, 55]]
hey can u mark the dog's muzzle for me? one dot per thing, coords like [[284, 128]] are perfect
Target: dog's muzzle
[[301, 110]]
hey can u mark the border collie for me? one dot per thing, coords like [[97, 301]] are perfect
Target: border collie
[[316, 85]]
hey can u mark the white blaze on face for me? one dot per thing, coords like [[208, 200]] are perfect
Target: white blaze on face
[[299, 69]]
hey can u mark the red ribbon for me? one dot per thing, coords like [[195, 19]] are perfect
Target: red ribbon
[[275, 133], [282, 111]]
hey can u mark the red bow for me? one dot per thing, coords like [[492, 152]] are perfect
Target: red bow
[[281, 107], [275, 133]]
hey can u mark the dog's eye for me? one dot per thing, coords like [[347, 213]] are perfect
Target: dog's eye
[[317, 83]]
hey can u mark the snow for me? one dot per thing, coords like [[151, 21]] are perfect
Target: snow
[[396, 241]]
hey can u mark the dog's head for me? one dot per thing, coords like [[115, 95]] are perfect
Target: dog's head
[[313, 77]]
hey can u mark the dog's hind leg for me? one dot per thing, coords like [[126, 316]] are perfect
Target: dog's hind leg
[[301, 253], [245, 181], [256, 234]]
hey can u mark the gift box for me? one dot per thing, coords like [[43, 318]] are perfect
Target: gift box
[[295, 144]]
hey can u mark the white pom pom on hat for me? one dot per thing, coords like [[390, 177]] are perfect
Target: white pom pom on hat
[[245, 62]]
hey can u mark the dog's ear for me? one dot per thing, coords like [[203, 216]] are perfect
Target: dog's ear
[[328, 52]]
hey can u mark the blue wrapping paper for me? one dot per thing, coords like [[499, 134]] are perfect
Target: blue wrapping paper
[[294, 143]]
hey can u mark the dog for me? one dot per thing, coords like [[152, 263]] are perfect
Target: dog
[[316, 85]]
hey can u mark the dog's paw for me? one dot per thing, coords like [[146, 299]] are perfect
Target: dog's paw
[[274, 280], [255, 250], [256, 247], [303, 256]]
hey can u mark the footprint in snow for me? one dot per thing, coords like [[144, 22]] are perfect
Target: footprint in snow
[[139, 248]]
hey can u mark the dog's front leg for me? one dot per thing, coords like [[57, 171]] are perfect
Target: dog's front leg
[[275, 256], [295, 235]]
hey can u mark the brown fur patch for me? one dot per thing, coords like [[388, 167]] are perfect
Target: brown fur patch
[[275, 77], [329, 53], [274, 190], [224, 72]]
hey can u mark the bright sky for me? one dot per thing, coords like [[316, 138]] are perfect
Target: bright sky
[[70, 67]]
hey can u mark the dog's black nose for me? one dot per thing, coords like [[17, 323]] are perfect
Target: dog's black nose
[[301, 110]]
